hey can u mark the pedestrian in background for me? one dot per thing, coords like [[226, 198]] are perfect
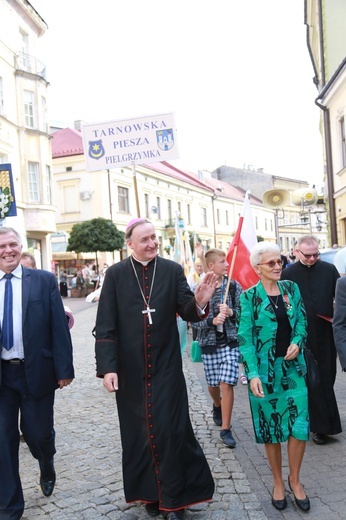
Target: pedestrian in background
[[28, 260], [138, 356], [63, 284], [272, 335], [339, 321], [317, 281], [217, 338], [80, 284], [196, 276], [36, 359]]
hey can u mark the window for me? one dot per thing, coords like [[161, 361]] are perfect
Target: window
[[25, 41], [179, 208], [123, 200], [204, 217], [47, 184], [70, 198], [227, 218], [29, 108], [1, 97], [189, 213], [169, 209], [218, 216], [158, 205], [25, 50], [146, 205], [343, 142], [34, 191], [44, 115]]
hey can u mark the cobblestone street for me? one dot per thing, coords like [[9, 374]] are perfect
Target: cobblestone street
[[88, 459]]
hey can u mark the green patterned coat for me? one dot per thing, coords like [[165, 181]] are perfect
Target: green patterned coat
[[257, 326]]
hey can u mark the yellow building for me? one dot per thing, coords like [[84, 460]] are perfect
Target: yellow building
[[326, 37], [210, 209], [24, 127]]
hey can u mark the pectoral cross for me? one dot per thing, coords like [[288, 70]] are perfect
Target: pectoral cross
[[148, 311]]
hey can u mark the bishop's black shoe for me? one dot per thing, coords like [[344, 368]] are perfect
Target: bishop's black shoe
[[174, 515], [152, 509]]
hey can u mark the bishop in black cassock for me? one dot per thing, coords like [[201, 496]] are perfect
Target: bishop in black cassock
[[137, 338]]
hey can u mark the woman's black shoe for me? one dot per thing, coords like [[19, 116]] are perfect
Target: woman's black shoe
[[279, 504], [303, 503]]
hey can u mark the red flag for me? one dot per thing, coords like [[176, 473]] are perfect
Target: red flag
[[239, 250]]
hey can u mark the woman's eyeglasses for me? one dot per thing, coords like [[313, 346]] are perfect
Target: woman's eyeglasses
[[314, 255], [272, 263]]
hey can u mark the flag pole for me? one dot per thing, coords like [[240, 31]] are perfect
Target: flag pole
[[235, 250], [230, 273]]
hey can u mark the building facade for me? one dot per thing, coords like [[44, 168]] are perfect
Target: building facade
[[326, 38], [209, 209], [24, 126], [293, 213]]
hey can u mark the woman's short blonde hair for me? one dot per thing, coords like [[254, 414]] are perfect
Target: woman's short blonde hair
[[260, 248]]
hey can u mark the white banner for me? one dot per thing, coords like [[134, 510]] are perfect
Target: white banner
[[130, 141]]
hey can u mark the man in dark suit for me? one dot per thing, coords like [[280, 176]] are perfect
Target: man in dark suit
[[339, 321], [36, 359]]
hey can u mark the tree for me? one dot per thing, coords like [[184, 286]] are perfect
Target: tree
[[97, 234]]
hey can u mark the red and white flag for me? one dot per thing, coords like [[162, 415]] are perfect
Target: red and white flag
[[238, 254]]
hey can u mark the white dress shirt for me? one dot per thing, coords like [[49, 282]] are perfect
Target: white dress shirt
[[17, 351]]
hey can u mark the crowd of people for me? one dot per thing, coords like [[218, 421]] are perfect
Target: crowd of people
[[265, 327]]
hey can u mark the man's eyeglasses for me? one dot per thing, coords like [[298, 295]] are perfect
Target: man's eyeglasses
[[314, 255], [272, 263]]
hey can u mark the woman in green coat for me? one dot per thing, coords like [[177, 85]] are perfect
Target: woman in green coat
[[272, 334]]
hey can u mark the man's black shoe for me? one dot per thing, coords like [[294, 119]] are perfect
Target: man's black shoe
[[174, 515], [319, 438], [47, 484], [217, 417], [152, 509]]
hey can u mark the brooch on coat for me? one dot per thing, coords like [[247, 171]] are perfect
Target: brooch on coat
[[288, 306]]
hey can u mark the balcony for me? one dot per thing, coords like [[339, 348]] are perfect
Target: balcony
[[26, 63]]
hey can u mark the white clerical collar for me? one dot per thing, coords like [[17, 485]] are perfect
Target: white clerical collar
[[143, 262], [306, 265]]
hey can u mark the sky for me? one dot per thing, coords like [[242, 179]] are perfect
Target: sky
[[236, 74]]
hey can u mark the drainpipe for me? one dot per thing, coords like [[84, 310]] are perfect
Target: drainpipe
[[327, 134], [329, 172]]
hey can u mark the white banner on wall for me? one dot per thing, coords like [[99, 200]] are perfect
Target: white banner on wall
[[144, 140]]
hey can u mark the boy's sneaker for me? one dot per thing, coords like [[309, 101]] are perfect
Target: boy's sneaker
[[217, 417], [227, 438]]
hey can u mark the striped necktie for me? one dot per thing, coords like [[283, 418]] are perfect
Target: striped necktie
[[7, 322]]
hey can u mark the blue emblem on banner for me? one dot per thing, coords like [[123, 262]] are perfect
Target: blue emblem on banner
[[96, 149], [165, 139]]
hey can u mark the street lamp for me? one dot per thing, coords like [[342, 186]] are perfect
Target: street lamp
[[320, 223]]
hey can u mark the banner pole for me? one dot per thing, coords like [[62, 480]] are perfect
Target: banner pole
[[136, 189]]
